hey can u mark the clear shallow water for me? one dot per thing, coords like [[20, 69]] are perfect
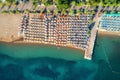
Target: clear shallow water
[[35, 62]]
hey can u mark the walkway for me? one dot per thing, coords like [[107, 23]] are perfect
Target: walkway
[[89, 50]]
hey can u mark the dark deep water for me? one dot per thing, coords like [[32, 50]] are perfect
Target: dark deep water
[[28, 62]]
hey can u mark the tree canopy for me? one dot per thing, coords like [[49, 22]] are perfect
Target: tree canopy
[[11, 1], [62, 4]]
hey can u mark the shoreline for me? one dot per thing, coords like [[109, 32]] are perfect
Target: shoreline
[[43, 44], [18, 41], [58, 52], [108, 33]]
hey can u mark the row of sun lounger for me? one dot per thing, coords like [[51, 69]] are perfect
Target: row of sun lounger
[[110, 22], [59, 30]]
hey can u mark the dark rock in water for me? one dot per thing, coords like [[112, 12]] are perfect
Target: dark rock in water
[[11, 72], [3, 56], [46, 72]]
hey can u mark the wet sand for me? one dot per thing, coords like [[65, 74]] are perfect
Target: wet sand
[[43, 44], [107, 33]]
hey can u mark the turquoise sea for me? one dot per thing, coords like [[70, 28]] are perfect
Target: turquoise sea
[[44, 62]]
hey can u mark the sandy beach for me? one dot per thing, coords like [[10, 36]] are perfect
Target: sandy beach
[[43, 44], [10, 23], [104, 32], [9, 26]]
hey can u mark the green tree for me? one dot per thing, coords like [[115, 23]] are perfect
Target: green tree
[[91, 21], [35, 2], [73, 3], [47, 2], [62, 4], [11, 1], [71, 11], [56, 11], [88, 32]]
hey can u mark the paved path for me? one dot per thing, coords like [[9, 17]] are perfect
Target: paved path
[[89, 50]]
